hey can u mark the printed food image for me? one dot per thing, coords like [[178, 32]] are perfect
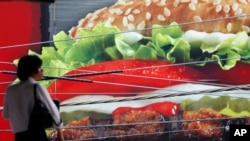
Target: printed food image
[[157, 121], [209, 49], [216, 47], [152, 70], [144, 46]]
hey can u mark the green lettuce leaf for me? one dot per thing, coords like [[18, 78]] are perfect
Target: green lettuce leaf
[[167, 43], [91, 45], [223, 104]]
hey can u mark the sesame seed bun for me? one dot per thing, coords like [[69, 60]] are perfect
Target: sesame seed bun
[[142, 14]]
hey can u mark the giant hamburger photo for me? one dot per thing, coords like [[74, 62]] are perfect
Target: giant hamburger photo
[[152, 70]]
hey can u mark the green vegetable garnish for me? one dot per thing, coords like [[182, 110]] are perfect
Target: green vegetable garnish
[[223, 104], [171, 43]]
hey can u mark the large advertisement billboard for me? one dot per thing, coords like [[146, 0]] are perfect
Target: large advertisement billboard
[[134, 69]]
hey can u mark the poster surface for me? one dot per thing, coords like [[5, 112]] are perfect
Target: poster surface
[[148, 70]]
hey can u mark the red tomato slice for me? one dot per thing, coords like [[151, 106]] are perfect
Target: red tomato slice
[[235, 76], [138, 76]]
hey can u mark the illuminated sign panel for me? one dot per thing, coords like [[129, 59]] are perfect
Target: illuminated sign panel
[[181, 67]]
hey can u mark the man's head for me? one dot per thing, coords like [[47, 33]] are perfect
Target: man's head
[[29, 66]]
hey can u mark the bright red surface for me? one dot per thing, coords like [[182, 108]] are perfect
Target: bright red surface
[[20, 24]]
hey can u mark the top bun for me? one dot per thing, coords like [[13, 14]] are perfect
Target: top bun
[[227, 16]]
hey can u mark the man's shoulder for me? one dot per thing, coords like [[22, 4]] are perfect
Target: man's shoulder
[[18, 85], [13, 86]]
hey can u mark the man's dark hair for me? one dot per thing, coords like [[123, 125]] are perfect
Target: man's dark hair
[[27, 66]]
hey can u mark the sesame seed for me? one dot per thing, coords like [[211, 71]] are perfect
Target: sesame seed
[[141, 25], [148, 3], [130, 3], [191, 6], [148, 16], [111, 19], [111, 11], [89, 15], [125, 21], [176, 3], [136, 11], [117, 11], [167, 12], [90, 24], [194, 1], [229, 27], [238, 11], [243, 1], [197, 19], [161, 3], [226, 8], [94, 17], [131, 18], [216, 2], [218, 8], [161, 18], [235, 6], [128, 11]]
